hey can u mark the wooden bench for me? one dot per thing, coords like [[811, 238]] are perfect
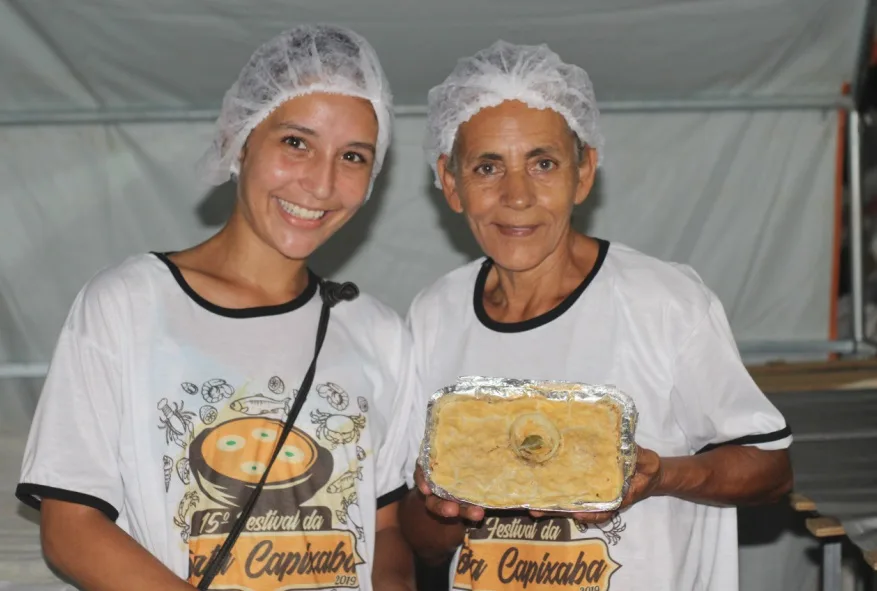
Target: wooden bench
[[831, 533]]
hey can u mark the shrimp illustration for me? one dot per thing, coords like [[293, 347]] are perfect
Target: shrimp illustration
[[176, 422], [334, 395]]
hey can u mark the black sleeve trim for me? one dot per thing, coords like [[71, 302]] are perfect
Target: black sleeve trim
[[751, 439], [392, 496], [32, 495]]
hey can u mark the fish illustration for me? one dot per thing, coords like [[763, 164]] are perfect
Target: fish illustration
[[346, 481], [260, 405]]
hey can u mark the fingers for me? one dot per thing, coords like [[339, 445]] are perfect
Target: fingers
[[443, 508], [420, 482], [593, 518], [450, 509]]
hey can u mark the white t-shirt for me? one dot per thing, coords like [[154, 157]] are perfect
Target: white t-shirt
[[161, 409], [653, 330]]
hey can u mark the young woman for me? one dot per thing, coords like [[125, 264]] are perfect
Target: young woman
[[175, 373]]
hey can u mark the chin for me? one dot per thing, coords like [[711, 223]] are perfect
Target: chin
[[516, 260], [299, 249]]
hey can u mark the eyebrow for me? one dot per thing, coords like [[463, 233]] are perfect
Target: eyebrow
[[310, 132], [540, 151]]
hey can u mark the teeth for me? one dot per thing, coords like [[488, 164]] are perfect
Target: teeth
[[301, 212]]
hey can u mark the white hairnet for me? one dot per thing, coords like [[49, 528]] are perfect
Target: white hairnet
[[531, 74], [302, 60]]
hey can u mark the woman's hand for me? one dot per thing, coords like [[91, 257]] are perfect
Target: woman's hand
[[443, 508], [645, 482]]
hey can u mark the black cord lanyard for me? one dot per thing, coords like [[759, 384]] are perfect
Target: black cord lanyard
[[331, 293]]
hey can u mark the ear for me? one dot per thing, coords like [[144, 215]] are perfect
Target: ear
[[587, 173], [242, 155], [449, 184]]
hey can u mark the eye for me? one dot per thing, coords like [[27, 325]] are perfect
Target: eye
[[355, 157], [546, 164], [295, 142], [485, 169]]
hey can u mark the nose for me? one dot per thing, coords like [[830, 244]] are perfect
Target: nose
[[319, 180], [517, 191]]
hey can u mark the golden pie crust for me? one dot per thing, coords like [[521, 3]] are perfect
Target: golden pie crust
[[527, 451]]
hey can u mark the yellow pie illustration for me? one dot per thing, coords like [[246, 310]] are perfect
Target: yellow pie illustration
[[527, 451]]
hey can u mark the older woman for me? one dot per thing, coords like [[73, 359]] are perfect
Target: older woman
[[514, 141], [165, 452]]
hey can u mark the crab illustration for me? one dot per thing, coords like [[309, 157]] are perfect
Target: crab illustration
[[611, 529], [182, 518], [334, 395], [337, 429], [344, 514], [176, 422]]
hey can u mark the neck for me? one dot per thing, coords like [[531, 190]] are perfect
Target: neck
[[243, 258], [516, 296]]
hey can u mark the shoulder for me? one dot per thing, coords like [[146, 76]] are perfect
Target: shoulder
[[450, 292], [372, 321], [654, 281], [665, 298], [113, 289]]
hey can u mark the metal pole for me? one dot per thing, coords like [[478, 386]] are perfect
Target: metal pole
[[23, 370], [856, 241], [832, 566], [171, 115]]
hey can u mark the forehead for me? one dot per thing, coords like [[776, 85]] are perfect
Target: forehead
[[326, 108], [515, 122]]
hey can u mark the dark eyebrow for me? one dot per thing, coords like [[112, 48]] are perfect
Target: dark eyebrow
[[308, 131], [540, 151], [363, 146], [297, 127]]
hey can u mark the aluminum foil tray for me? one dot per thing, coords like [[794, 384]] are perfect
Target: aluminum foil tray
[[491, 387]]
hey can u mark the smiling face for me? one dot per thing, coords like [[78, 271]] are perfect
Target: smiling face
[[516, 177], [306, 169]]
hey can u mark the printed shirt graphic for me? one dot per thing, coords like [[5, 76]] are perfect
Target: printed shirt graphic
[[206, 394], [516, 551], [304, 529], [656, 332]]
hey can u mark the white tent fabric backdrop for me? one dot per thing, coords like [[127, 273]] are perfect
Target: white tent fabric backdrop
[[745, 197]]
